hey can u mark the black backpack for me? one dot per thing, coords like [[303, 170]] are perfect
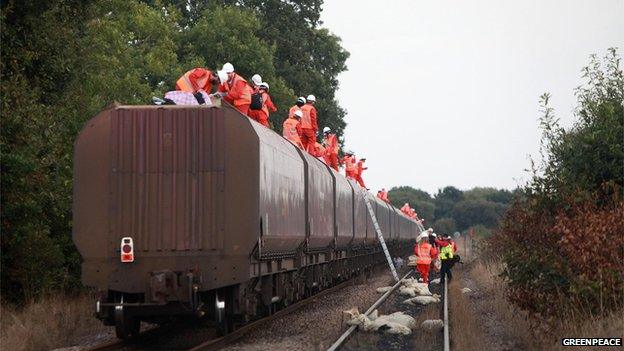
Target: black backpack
[[256, 101]]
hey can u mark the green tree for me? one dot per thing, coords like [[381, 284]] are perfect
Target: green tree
[[445, 199], [445, 226]]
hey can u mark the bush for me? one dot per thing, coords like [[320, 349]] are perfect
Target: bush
[[561, 241]]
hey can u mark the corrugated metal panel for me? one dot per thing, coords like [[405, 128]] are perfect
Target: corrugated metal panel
[[360, 213], [320, 203], [344, 211], [282, 192], [168, 177]]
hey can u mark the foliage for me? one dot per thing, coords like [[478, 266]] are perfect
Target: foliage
[[563, 237], [445, 226], [470, 212], [63, 61]]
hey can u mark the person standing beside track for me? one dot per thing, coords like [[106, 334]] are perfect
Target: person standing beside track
[[447, 250], [424, 254]]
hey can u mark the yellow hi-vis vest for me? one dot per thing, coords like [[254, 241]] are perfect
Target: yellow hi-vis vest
[[446, 252]]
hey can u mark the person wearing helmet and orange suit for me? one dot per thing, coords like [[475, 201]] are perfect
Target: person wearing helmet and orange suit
[[291, 129], [235, 90], [330, 142], [297, 107], [262, 115], [309, 126], [197, 79], [350, 167], [358, 172]]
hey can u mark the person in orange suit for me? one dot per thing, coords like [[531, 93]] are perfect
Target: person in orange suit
[[330, 141], [425, 253], [384, 195], [236, 90], [318, 151], [358, 172], [350, 167], [300, 102], [262, 115], [197, 79], [291, 129], [309, 126], [406, 208]]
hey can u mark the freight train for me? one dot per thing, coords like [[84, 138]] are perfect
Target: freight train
[[186, 211]]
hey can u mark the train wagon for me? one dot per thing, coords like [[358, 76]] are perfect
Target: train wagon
[[192, 211]]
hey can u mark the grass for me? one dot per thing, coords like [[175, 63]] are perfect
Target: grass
[[52, 322], [486, 320]]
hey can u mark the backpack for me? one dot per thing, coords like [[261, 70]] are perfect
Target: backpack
[[256, 101]]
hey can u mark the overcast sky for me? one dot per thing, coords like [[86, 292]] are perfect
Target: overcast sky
[[446, 92]]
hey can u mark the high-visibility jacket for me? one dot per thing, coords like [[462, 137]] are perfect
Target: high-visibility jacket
[[291, 130], [194, 80], [267, 104], [317, 150], [424, 253], [330, 141], [349, 163], [308, 121], [405, 209], [238, 91], [360, 168], [384, 196], [291, 112], [446, 252]]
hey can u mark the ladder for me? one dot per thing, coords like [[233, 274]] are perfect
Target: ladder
[[379, 234]]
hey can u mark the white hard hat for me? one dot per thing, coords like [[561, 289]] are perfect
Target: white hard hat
[[326, 130], [430, 230], [228, 68], [264, 85], [423, 235], [298, 113], [301, 99], [222, 76], [256, 79], [311, 98], [434, 235]]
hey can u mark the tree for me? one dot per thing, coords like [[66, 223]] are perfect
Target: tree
[[472, 212], [445, 226], [445, 200], [402, 194]]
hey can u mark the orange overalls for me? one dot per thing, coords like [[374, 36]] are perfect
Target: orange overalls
[[424, 253], [262, 116], [358, 173], [194, 80], [291, 130], [238, 93], [331, 146], [308, 126], [350, 167]]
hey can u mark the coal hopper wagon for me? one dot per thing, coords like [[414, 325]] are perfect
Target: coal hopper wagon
[[184, 212]]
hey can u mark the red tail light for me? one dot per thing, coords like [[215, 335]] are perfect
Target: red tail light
[[127, 250]]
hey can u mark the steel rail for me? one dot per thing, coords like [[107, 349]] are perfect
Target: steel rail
[[447, 343], [218, 343], [352, 328]]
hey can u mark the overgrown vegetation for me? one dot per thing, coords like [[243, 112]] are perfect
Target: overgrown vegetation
[[563, 238], [63, 61]]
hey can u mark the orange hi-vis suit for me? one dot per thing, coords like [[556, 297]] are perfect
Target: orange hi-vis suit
[[358, 173], [309, 127], [238, 93], [262, 116], [194, 80], [406, 209], [350, 167], [318, 151], [291, 112], [424, 254], [384, 195], [331, 154], [291, 129]]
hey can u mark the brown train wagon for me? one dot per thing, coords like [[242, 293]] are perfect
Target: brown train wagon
[[211, 203]]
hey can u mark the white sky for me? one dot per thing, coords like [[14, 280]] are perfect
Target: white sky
[[444, 92]]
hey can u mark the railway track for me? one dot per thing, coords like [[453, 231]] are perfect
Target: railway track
[[154, 338]]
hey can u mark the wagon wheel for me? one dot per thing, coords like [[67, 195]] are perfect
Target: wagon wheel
[[126, 326]]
